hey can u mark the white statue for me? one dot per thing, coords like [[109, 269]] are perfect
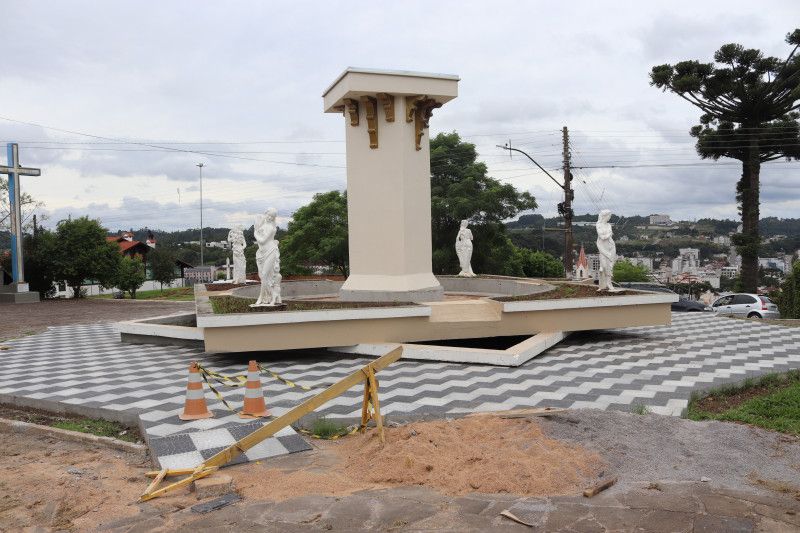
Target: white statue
[[238, 244], [464, 250], [607, 250], [268, 258]]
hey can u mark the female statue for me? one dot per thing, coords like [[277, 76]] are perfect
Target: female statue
[[238, 244], [267, 256], [464, 250], [607, 250]]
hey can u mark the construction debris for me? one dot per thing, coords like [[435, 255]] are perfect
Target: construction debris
[[597, 489]]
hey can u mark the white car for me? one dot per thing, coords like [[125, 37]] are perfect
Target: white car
[[746, 305]]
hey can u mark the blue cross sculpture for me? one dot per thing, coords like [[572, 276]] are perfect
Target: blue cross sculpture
[[14, 171]]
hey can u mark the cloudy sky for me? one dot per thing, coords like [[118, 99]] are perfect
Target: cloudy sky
[[111, 99]]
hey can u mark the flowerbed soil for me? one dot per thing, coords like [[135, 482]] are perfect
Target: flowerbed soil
[[233, 304], [102, 428], [215, 287], [563, 292]]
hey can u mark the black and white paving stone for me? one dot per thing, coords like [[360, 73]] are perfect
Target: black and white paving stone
[[657, 367]]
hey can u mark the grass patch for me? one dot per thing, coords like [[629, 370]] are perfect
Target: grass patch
[[176, 294], [326, 428], [640, 409], [94, 426], [101, 428], [234, 304], [771, 402]]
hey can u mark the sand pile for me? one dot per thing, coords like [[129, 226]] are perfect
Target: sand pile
[[478, 454]]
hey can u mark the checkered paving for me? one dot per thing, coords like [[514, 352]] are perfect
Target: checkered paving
[[657, 367], [87, 365]]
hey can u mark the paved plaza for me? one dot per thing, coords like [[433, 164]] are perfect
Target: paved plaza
[[659, 367]]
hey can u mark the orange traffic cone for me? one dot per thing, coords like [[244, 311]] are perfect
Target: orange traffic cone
[[195, 407], [254, 406]]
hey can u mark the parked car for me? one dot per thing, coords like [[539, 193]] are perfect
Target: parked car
[[746, 305], [690, 306]]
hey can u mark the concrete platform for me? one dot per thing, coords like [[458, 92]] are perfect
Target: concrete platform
[[473, 308]]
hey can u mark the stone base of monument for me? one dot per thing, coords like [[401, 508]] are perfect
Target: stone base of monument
[[17, 293], [487, 319], [402, 288]]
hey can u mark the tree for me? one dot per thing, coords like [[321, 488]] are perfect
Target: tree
[[625, 271], [83, 253], [461, 189], [162, 266], [28, 205], [789, 299], [317, 236], [38, 251], [749, 108], [537, 264], [130, 275]]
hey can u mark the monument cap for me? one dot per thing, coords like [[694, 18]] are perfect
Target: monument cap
[[355, 82]]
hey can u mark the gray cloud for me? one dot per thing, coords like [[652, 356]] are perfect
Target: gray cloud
[[252, 72]]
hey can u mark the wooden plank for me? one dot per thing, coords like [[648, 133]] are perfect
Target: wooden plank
[[293, 415], [365, 407], [373, 390], [272, 427], [156, 480], [522, 413], [180, 483], [597, 489], [174, 472]]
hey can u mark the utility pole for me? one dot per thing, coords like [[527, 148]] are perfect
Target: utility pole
[[35, 227], [566, 208], [202, 244]]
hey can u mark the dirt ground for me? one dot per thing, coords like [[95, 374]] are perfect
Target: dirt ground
[[27, 319], [749, 482]]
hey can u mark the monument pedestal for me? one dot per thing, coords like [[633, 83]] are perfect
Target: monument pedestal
[[17, 293], [388, 180], [376, 288]]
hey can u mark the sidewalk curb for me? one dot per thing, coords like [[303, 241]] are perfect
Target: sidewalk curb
[[17, 426]]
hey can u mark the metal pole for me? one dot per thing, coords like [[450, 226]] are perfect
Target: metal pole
[[202, 244]]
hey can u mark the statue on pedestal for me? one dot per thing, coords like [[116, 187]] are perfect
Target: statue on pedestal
[[464, 250], [238, 244], [607, 251], [268, 259]]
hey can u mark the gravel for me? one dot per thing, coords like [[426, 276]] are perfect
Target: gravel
[[651, 448]]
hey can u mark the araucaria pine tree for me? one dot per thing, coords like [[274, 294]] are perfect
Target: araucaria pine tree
[[749, 104]]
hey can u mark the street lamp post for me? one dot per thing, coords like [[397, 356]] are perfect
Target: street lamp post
[[202, 244]]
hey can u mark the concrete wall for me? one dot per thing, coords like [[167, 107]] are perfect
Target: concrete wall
[[95, 290]]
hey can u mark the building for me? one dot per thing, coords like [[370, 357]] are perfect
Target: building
[[217, 244], [729, 271], [202, 274], [660, 220], [130, 247], [688, 261], [774, 263], [582, 267], [647, 262]]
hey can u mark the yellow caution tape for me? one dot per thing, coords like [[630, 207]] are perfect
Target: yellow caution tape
[[216, 393], [239, 381], [283, 380]]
